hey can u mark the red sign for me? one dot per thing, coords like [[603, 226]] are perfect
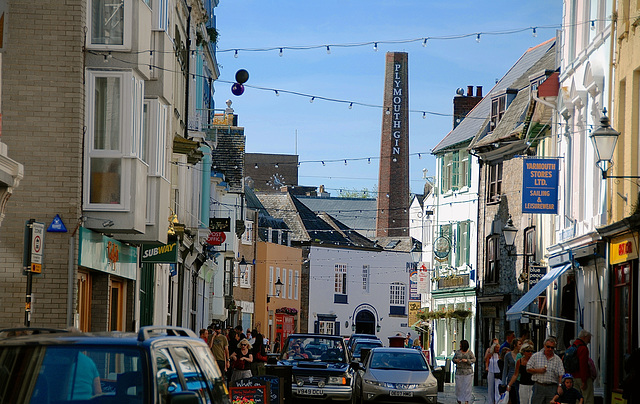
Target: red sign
[[216, 238]]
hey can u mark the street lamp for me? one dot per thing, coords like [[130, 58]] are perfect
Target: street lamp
[[279, 286], [509, 232], [604, 141], [242, 265]]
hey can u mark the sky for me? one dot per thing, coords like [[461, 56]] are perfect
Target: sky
[[329, 130]]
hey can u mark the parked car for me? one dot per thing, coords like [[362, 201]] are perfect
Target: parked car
[[390, 375], [363, 343], [321, 366], [354, 337], [155, 365]]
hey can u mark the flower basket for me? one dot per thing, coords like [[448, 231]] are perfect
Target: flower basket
[[287, 310]]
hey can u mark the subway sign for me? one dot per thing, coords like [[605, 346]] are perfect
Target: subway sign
[[159, 253]]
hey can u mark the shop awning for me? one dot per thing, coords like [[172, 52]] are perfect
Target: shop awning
[[519, 309]]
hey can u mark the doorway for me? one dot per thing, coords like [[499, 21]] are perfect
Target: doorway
[[83, 302], [365, 323], [116, 305]]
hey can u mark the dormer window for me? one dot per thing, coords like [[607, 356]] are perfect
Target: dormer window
[[498, 107]]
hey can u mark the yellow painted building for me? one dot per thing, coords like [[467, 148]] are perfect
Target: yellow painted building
[[277, 313], [626, 106]]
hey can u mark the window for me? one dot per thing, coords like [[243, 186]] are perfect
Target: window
[[492, 265], [161, 15], [463, 243], [236, 274], [327, 327], [340, 279], [110, 24], [623, 324], [271, 281], [290, 283], [194, 379], [284, 282], [247, 236], [245, 279], [296, 285], [498, 107], [494, 183], [115, 131], [154, 137], [455, 171], [365, 278], [397, 299], [464, 170], [529, 249]]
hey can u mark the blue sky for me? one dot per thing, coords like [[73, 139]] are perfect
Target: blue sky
[[330, 130]]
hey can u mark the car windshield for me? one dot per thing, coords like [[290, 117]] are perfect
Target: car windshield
[[65, 374], [314, 349], [360, 345], [398, 361]]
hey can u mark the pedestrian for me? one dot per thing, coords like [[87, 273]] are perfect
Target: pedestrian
[[276, 344], [489, 352], [509, 369], [582, 377], [251, 337], [259, 354], [204, 335], [241, 361], [547, 371], [220, 349], [408, 342], [417, 345], [509, 337], [464, 359], [493, 370], [569, 394], [521, 376]]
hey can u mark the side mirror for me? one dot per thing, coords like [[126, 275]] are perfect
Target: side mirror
[[355, 365], [437, 369]]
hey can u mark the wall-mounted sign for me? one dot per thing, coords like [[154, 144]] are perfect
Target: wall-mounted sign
[[623, 249], [216, 238], [536, 272], [159, 253], [220, 224], [540, 185], [454, 281], [57, 226], [441, 248]]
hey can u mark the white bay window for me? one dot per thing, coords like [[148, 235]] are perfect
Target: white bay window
[[110, 24]]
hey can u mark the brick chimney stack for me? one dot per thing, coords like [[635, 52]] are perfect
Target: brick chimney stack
[[462, 104]]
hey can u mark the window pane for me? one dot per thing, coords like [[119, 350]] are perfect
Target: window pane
[[145, 133], [107, 114], [105, 180], [107, 22]]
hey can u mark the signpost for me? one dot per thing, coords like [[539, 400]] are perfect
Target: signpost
[[31, 260]]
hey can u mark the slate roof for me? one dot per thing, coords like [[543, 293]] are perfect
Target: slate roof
[[357, 213], [228, 156], [513, 121], [265, 220], [477, 119]]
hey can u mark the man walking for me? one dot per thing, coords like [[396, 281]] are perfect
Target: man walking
[[546, 371], [582, 376], [220, 349], [510, 336]]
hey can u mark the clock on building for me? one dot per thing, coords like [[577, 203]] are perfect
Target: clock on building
[[276, 181]]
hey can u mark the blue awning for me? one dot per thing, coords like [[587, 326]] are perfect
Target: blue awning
[[519, 309]]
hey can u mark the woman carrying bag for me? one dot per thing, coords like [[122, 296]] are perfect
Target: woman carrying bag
[[241, 361], [259, 354]]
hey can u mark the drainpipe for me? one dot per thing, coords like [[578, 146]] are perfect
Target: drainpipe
[[187, 68], [206, 185]]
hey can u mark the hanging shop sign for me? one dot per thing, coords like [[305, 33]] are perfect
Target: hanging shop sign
[[216, 238], [540, 185], [106, 254], [441, 248], [159, 253], [623, 249], [220, 224]]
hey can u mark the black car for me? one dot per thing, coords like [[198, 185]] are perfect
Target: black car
[[321, 367], [155, 365], [355, 337]]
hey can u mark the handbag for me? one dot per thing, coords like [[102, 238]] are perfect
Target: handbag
[[261, 357], [238, 364]]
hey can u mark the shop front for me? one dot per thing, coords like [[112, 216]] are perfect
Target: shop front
[[106, 279]]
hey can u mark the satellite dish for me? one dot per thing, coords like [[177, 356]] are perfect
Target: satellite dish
[[460, 91]]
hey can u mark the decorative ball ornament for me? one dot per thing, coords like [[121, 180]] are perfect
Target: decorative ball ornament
[[242, 76], [237, 89]]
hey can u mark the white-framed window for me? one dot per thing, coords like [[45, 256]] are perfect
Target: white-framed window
[[161, 15], [365, 278], [455, 171], [110, 24], [397, 294], [326, 327], [271, 281], [236, 274], [245, 279], [154, 136], [114, 133], [291, 284], [296, 285], [247, 236], [463, 243], [340, 279], [284, 282]]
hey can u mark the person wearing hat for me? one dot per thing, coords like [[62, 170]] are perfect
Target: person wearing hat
[[570, 395], [241, 361]]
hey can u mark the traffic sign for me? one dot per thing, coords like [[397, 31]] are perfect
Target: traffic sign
[[37, 244]]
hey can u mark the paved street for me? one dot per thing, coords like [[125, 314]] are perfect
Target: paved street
[[448, 396]]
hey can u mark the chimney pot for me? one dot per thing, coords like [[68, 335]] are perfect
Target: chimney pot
[[479, 91], [469, 91]]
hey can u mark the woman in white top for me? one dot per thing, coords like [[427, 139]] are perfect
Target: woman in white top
[[491, 363]]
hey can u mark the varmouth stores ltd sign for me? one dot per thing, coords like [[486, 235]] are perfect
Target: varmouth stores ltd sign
[[540, 185]]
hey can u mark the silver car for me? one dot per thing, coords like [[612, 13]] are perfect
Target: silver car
[[391, 375]]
